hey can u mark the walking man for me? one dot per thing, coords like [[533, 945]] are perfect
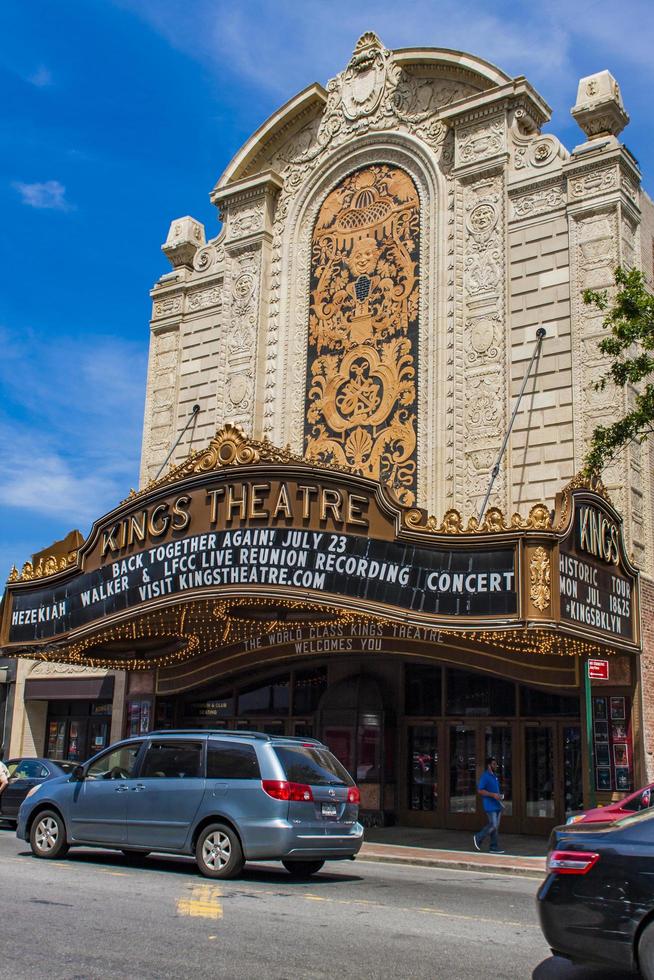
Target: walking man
[[491, 798]]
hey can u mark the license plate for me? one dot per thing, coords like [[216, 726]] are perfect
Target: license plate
[[329, 810]]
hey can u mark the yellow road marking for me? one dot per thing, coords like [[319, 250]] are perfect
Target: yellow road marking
[[116, 874], [204, 903]]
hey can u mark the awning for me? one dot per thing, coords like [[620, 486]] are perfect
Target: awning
[[69, 689]]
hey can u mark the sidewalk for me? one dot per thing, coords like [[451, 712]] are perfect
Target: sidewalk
[[453, 849]]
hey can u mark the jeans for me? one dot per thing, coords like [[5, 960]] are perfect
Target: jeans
[[491, 829]]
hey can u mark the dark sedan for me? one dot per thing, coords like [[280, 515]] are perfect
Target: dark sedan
[[597, 902], [23, 775]]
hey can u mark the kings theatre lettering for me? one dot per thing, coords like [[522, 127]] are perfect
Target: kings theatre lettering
[[598, 536]]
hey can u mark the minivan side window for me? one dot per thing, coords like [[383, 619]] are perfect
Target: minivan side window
[[172, 760], [231, 760], [117, 764]]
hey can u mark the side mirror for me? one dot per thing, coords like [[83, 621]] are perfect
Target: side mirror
[[77, 775]]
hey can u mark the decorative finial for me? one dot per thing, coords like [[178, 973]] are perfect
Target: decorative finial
[[599, 109]]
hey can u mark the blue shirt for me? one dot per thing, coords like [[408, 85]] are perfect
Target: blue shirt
[[491, 784]]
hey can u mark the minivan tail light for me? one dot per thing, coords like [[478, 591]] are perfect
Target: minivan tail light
[[571, 862], [279, 789], [353, 795]]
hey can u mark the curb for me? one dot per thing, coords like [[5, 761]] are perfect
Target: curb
[[462, 863]]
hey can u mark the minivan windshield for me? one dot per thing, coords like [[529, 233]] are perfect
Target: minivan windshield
[[315, 766]]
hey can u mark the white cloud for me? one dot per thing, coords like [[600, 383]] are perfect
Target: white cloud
[[70, 424], [47, 195], [282, 47], [42, 77]]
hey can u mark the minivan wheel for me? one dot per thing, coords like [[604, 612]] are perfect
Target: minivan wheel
[[218, 852], [646, 952], [48, 835], [303, 869]]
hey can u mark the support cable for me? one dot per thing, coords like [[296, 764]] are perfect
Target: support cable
[[194, 414], [540, 335]]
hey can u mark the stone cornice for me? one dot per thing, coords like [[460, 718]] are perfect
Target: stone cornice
[[248, 189], [516, 94], [599, 159], [536, 182]]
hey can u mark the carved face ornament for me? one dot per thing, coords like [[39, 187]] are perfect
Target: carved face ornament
[[363, 259]]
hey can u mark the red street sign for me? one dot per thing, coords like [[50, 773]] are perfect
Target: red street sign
[[598, 670]]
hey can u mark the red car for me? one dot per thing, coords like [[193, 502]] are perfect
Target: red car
[[642, 799]]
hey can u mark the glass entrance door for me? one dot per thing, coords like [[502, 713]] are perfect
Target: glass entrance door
[[498, 742], [462, 782], [540, 778], [422, 769], [573, 790]]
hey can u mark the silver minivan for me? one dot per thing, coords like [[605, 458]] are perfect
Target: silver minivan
[[225, 796]]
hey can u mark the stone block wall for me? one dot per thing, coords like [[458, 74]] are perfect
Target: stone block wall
[[542, 445]]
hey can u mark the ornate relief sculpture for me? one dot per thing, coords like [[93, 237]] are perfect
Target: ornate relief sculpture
[[363, 329], [540, 576]]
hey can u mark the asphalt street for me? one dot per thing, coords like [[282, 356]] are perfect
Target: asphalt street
[[96, 915]]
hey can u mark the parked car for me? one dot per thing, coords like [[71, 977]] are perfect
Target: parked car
[[24, 774], [596, 905], [225, 796], [641, 799]]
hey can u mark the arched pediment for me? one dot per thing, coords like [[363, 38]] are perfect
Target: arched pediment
[[446, 62], [282, 126], [378, 88]]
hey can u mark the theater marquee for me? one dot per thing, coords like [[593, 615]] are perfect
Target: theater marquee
[[247, 524]]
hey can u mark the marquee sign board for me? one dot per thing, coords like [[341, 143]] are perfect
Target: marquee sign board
[[242, 521], [149, 556], [598, 585]]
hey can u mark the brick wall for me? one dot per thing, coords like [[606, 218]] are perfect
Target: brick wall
[[647, 672]]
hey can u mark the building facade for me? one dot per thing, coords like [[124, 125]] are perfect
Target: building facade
[[389, 249]]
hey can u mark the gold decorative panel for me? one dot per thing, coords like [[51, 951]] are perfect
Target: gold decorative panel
[[363, 329]]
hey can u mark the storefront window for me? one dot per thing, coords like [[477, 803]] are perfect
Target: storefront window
[[271, 697], [423, 690], [308, 688], [138, 716], [56, 740], [572, 783], [498, 742], [77, 730], [164, 714], [536, 704], [423, 767], [340, 741], [612, 743], [539, 772], [463, 769], [478, 694], [368, 754]]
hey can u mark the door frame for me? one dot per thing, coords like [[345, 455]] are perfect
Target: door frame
[[541, 826], [419, 818]]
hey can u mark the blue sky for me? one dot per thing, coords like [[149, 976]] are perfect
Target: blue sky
[[120, 116]]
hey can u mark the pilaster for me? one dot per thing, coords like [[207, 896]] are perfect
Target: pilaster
[[247, 208]]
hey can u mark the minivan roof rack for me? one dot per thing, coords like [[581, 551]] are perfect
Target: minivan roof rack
[[209, 731], [238, 733]]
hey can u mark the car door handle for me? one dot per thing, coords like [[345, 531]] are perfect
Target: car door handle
[[137, 788], [121, 789]]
